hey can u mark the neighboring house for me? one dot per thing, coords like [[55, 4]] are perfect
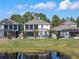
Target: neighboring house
[[67, 29], [7, 26], [38, 25]]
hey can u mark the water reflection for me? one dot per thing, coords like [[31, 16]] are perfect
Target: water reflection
[[55, 55], [20, 56], [34, 55]]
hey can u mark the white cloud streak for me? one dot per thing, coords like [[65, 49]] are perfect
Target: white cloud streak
[[21, 6], [75, 5], [66, 4], [47, 5], [10, 12]]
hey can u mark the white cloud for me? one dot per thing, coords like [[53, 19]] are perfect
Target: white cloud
[[25, 5], [10, 12], [75, 5], [21, 6], [48, 5], [66, 4]]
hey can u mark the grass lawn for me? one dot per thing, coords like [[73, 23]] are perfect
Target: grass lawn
[[69, 47]]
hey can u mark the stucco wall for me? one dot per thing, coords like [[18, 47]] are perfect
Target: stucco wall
[[44, 30], [44, 26], [1, 27], [1, 31], [74, 25]]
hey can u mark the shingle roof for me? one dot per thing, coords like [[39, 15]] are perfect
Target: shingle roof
[[65, 26], [37, 22], [7, 21], [69, 23]]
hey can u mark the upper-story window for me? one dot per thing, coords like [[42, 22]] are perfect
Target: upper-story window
[[31, 27], [26, 27], [10, 26], [35, 27], [6, 26], [15, 27]]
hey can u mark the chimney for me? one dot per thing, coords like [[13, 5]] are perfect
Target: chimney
[[36, 18]]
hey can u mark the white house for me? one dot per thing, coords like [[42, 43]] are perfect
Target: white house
[[39, 25]]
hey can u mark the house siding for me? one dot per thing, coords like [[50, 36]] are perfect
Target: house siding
[[1, 31]]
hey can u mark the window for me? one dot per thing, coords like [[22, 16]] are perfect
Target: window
[[6, 26], [31, 27], [26, 27], [45, 33], [15, 27], [10, 26], [1, 30], [35, 27]]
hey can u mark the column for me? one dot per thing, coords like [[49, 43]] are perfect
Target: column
[[17, 27], [8, 27], [28, 27], [12, 27], [33, 27]]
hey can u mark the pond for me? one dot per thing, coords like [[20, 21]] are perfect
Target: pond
[[33, 55]]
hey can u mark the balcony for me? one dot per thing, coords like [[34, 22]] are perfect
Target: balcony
[[31, 27]]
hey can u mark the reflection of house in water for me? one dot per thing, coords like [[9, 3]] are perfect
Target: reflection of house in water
[[67, 29]]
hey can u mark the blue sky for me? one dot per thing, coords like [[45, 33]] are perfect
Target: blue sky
[[63, 8]]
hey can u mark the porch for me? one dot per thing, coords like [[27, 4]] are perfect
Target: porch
[[70, 33], [31, 33]]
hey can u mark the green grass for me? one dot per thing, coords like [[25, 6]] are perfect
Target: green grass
[[69, 47]]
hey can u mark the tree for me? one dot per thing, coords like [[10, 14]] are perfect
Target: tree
[[77, 21], [55, 21], [42, 17], [67, 19], [28, 16], [17, 18], [62, 20], [72, 19], [50, 32]]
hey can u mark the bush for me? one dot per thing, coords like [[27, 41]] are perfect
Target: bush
[[9, 35]]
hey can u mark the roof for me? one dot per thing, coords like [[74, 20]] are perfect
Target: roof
[[7, 21], [37, 22], [65, 26], [69, 23]]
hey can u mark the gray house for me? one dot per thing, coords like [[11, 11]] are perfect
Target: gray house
[[67, 29], [38, 25], [8, 26]]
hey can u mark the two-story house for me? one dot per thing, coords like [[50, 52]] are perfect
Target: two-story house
[[39, 25], [67, 29], [7, 26]]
